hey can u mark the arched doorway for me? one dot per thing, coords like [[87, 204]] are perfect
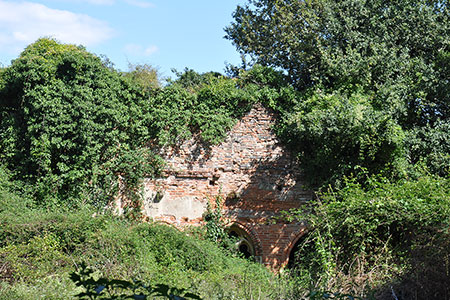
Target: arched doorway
[[295, 250], [244, 241]]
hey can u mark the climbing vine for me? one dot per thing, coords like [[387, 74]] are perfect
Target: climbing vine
[[70, 126], [215, 225]]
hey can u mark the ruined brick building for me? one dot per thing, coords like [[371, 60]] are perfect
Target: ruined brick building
[[255, 175]]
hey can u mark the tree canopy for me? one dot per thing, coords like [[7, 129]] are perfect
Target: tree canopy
[[399, 49], [372, 77]]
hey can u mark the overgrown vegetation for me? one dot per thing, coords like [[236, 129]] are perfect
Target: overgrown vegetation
[[40, 248], [373, 76], [70, 126], [361, 93], [103, 288], [381, 236], [368, 101]]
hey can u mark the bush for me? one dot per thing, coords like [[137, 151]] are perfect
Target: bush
[[336, 133], [429, 147], [362, 238]]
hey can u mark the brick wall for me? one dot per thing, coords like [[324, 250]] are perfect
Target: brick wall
[[255, 175]]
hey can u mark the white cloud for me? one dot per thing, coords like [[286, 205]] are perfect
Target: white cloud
[[99, 2], [140, 3], [24, 22], [150, 50], [138, 50], [95, 2]]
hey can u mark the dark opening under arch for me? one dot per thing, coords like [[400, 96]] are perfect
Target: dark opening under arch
[[294, 254], [244, 243]]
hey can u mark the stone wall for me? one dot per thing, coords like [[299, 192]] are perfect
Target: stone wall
[[253, 173]]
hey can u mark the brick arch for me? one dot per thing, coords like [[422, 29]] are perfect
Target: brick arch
[[292, 244], [254, 239]]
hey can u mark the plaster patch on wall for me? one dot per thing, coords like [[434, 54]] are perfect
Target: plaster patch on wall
[[185, 207]]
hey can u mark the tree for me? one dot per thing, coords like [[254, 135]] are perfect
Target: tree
[[390, 47], [144, 75]]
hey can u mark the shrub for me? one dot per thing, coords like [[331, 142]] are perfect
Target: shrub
[[336, 133], [364, 237]]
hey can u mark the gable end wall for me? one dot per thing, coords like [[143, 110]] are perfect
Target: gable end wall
[[254, 174]]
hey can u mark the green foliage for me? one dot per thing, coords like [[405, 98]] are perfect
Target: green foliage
[[381, 234], [39, 248], [52, 288], [315, 295], [397, 49], [71, 125], [103, 288], [191, 80], [204, 105], [144, 76], [429, 147], [215, 226], [371, 79], [68, 123], [440, 87], [336, 133], [262, 77], [40, 257], [363, 90]]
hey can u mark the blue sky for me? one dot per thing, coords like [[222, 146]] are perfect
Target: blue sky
[[166, 34]]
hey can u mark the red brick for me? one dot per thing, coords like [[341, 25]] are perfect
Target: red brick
[[251, 165]]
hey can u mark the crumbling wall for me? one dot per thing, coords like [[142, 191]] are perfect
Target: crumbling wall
[[252, 171]]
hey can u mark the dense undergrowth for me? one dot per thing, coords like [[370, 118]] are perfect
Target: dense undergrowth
[[379, 238], [39, 248]]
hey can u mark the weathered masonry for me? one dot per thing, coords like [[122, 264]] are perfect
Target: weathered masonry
[[254, 174]]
